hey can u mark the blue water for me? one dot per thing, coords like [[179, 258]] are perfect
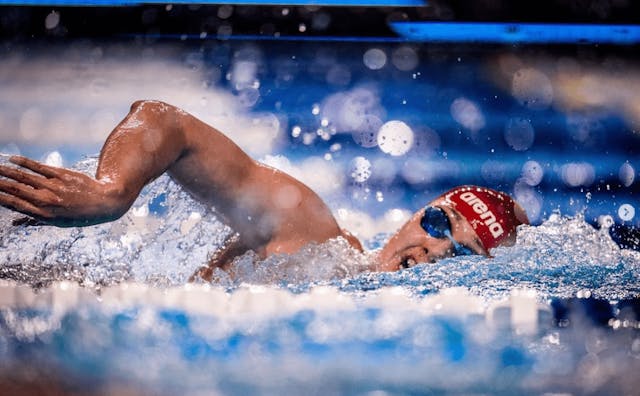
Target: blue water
[[105, 309], [558, 312]]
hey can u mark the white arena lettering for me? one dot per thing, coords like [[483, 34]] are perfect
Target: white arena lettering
[[485, 214]]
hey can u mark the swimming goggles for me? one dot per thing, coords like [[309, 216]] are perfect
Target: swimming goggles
[[436, 223]]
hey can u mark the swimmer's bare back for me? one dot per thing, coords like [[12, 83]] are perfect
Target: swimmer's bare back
[[271, 211]]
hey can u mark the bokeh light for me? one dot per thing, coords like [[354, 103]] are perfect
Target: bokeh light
[[405, 58], [360, 169], [519, 134], [467, 114], [532, 173], [583, 128], [395, 138], [243, 74], [357, 111], [626, 174], [367, 134], [225, 11], [532, 88], [626, 212], [529, 199], [52, 20], [375, 59], [577, 174]]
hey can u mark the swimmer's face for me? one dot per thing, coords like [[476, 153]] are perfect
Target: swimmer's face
[[412, 245]]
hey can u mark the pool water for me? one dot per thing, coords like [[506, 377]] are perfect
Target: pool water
[[106, 310], [377, 129]]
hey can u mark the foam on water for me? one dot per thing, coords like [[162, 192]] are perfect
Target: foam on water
[[163, 238], [111, 312], [167, 235]]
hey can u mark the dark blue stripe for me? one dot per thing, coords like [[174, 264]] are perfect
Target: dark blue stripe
[[528, 33]]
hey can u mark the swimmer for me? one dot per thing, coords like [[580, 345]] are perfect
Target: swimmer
[[270, 211]]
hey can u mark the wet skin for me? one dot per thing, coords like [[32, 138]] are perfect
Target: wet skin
[[412, 245], [271, 211]]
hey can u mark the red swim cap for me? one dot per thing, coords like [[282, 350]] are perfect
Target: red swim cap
[[493, 215]]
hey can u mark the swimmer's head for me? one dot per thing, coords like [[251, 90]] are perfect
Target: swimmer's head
[[464, 220], [492, 214]]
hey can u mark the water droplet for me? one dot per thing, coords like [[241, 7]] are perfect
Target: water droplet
[[626, 212], [605, 221]]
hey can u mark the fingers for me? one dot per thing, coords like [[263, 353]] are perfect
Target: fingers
[[29, 194], [22, 206], [35, 166], [23, 177], [16, 189]]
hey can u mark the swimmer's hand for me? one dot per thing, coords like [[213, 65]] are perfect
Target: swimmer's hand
[[58, 196]]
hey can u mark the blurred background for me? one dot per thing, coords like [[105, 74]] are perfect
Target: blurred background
[[378, 106]]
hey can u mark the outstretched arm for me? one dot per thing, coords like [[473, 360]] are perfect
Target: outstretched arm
[[271, 211], [153, 138]]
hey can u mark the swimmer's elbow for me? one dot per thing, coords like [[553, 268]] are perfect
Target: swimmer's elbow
[[117, 200], [151, 106]]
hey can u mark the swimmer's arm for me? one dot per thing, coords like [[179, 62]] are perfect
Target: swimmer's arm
[[153, 138]]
